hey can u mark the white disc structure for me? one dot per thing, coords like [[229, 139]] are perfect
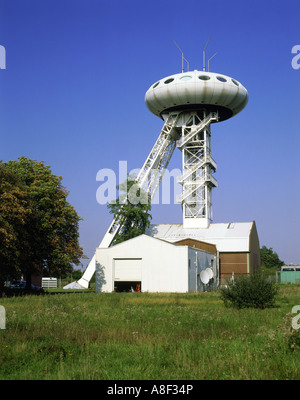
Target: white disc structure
[[197, 90]]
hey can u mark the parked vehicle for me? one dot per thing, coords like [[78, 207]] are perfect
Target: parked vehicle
[[20, 284]]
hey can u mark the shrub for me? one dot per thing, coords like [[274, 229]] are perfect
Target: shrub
[[252, 290]]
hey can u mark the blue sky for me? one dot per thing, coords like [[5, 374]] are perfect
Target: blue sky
[[72, 94]]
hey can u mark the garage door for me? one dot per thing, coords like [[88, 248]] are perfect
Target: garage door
[[128, 269]]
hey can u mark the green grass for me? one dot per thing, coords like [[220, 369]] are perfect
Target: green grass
[[146, 336]]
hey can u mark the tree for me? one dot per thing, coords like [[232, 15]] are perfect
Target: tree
[[13, 216], [269, 258], [44, 227], [132, 210]]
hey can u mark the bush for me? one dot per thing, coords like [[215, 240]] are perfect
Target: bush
[[252, 290]]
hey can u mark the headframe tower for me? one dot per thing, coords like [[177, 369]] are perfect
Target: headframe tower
[[196, 99], [188, 103]]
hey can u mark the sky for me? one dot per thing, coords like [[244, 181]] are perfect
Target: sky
[[72, 94]]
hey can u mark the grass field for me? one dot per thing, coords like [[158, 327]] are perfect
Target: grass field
[[147, 336]]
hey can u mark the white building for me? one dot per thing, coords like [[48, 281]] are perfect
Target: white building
[[237, 243], [154, 265]]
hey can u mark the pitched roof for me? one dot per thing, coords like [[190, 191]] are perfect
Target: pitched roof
[[228, 237]]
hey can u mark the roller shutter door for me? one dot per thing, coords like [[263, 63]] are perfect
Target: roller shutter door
[[128, 269]]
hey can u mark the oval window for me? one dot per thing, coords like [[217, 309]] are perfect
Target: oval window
[[204, 77], [235, 82], [185, 78], [156, 84], [221, 79], [169, 80]]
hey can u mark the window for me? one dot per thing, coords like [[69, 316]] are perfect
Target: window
[[221, 79], [185, 78], [169, 80], [204, 77]]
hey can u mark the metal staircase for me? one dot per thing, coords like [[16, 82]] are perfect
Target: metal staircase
[[195, 185], [195, 167]]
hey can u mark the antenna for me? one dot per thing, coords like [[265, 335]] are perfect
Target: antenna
[[210, 273], [204, 54], [204, 277], [182, 58], [209, 61]]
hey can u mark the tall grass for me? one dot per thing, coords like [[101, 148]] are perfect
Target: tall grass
[[146, 336]]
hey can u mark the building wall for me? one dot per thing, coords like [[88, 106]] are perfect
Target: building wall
[[197, 262], [239, 263], [164, 266], [290, 276]]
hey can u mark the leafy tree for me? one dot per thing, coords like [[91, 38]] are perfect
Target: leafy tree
[[132, 210], [13, 216], [269, 258], [76, 274], [43, 226]]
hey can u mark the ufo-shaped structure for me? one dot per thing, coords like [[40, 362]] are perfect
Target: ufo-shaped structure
[[197, 90]]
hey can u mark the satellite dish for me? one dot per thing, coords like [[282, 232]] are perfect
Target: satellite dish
[[204, 277], [209, 273]]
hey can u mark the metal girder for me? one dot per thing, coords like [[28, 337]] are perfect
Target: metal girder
[[190, 132]]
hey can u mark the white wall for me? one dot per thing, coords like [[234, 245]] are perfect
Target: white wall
[[164, 266]]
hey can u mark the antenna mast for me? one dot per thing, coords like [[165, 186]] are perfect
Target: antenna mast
[[209, 61], [182, 58], [204, 54]]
